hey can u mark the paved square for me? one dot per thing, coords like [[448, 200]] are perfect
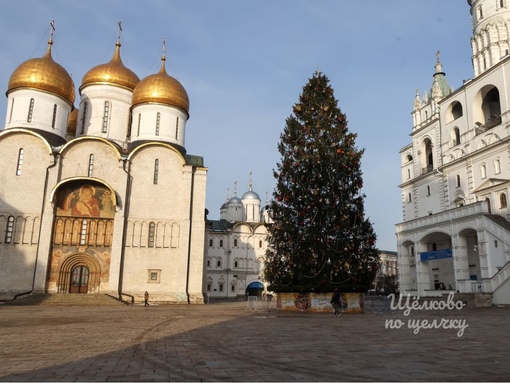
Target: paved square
[[226, 342]]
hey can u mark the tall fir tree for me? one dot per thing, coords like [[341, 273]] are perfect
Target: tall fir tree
[[319, 238]]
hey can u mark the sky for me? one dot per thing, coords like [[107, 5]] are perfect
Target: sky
[[245, 63]]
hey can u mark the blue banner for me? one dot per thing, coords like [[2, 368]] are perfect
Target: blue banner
[[438, 254]]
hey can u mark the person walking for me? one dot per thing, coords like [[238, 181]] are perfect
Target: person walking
[[146, 298], [335, 301]]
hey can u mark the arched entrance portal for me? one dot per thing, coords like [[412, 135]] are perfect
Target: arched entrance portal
[[79, 273], [79, 280]]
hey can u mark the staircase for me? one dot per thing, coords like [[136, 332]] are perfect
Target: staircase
[[65, 300]]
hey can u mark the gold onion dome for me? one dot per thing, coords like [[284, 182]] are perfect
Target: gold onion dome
[[43, 74], [113, 72], [162, 89], [72, 122]]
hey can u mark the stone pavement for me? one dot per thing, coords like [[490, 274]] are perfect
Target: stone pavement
[[226, 342]]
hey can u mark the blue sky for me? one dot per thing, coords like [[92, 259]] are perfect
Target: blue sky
[[244, 64]]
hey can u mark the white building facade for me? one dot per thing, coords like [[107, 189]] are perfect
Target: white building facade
[[455, 234], [104, 198], [235, 248]]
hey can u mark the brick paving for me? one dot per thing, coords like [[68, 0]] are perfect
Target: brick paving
[[226, 342]]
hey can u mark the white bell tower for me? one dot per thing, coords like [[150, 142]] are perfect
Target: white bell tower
[[491, 33]]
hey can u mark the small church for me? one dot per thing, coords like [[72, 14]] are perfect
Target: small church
[[99, 195]]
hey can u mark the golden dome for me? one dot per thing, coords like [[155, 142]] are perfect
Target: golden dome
[[161, 88], [113, 72], [43, 74], [72, 122]]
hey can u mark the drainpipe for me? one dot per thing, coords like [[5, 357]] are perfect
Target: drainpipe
[[124, 229], [193, 170]]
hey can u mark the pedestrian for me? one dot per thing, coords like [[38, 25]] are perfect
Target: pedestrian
[[146, 298], [335, 301]]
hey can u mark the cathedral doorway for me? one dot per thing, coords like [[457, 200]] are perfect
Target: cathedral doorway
[[80, 280]]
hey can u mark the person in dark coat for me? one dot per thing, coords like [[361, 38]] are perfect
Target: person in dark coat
[[335, 301], [146, 298]]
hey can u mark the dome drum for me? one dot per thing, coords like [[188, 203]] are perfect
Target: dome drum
[[158, 123], [45, 111]]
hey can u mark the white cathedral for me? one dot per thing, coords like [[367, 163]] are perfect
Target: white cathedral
[[455, 233], [101, 198]]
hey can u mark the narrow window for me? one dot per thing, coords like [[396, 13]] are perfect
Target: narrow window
[[210, 243], [458, 180], [30, 110], [483, 171], [83, 234], [54, 118], [236, 264], [502, 200], [260, 243], [177, 128], [12, 108], [457, 136], [408, 173], [501, 3], [221, 242], [10, 229], [208, 263], [428, 190], [232, 288], [218, 264], [495, 243], [83, 118], [152, 231], [235, 242], [91, 164], [409, 199], [20, 162], [139, 123], [208, 287], [221, 287], [158, 119], [156, 171], [106, 116]]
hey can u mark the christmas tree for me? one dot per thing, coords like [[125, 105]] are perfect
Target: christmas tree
[[319, 238]]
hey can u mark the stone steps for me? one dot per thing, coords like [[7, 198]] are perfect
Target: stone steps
[[65, 300]]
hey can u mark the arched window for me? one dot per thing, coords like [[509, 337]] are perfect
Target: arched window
[[483, 171], [152, 232], [218, 264], [84, 117], [502, 200], [106, 116], [91, 164], [260, 243], [210, 243], [497, 166], [30, 110], [158, 120], [235, 242], [156, 171], [408, 173], [221, 242], [458, 180], [9, 230], [20, 162], [236, 264], [10, 112], [54, 118], [177, 128]]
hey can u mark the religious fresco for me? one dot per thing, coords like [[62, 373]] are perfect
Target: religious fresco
[[86, 201], [82, 237]]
